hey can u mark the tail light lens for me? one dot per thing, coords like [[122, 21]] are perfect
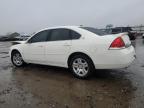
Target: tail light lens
[[117, 43]]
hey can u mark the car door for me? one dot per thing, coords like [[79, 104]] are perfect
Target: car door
[[58, 47], [34, 49]]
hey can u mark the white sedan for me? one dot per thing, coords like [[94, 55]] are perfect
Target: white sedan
[[81, 49]]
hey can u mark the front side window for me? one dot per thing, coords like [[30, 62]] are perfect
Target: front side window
[[39, 37], [60, 34]]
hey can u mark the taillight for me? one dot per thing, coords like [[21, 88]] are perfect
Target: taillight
[[117, 43]]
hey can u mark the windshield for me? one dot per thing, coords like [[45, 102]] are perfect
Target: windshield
[[95, 31]]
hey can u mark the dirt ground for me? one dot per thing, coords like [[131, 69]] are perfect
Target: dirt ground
[[36, 86]]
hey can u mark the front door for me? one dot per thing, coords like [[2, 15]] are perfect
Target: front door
[[34, 49]]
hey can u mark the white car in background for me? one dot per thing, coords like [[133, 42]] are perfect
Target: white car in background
[[81, 49]]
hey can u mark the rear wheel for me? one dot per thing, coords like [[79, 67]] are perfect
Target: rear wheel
[[81, 66], [16, 59]]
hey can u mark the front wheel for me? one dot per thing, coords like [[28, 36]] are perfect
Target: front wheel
[[16, 59], [81, 66]]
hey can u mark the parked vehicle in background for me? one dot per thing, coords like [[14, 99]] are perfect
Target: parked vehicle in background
[[143, 36], [131, 34], [23, 37], [81, 49], [14, 37]]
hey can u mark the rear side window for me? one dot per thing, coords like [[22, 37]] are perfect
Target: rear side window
[[75, 35], [60, 34], [95, 31]]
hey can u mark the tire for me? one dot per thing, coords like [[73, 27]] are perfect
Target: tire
[[81, 66], [16, 59]]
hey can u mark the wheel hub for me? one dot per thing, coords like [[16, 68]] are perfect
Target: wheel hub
[[17, 59], [80, 67]]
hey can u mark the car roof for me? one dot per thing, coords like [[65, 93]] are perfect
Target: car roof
[[56, 27]]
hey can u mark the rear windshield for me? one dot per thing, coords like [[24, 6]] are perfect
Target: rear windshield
[[95, 31]]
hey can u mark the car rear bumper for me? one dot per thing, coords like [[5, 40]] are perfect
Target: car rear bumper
[[117, 59]]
